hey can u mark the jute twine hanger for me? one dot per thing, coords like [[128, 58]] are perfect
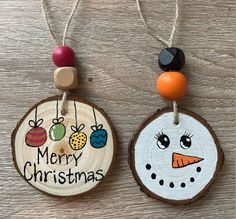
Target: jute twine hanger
[[167, 43], [65, 33]]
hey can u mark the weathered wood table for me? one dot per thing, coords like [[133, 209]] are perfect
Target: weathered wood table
[[118, 69]]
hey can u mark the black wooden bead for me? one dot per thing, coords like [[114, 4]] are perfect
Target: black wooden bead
[[171, 59]]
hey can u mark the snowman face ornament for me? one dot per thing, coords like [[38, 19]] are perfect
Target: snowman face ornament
[[175, 163]]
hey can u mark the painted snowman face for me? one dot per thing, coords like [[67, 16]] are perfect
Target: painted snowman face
[[175, 162]]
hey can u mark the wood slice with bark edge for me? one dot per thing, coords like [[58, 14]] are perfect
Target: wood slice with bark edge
[[101, 111], [143, 188]]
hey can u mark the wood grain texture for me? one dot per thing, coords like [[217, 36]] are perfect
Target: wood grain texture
[[114, 51]]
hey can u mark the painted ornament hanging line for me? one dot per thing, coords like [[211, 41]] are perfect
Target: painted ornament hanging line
[[46, 153], [175, 156]]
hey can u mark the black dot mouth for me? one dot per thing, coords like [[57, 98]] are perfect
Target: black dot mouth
[[154, 176], [148, 166], [198, 169], [172, 185]]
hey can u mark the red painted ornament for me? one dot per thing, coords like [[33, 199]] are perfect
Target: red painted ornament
[[37, 135], [63, 56]]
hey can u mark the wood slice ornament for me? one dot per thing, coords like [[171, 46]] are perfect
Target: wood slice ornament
[[63, 163], [175, 163], [175, 155], [53, 153]]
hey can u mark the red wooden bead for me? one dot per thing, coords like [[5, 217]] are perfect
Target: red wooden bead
[[63, 56]]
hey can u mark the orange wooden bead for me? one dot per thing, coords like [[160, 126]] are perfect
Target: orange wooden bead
[[172, 85]]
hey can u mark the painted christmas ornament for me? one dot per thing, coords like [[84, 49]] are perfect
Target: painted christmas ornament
[[175, 163], [36, 136], [71, 165], [77, 139], [98, 138], [58, 129]]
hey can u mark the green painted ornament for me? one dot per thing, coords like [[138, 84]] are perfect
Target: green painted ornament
[[57, 130]]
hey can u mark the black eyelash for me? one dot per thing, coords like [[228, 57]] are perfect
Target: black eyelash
[[188, 134], [159, 134]]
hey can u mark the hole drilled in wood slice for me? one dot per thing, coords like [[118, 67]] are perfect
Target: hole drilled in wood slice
[[175, 163], [64, 155]]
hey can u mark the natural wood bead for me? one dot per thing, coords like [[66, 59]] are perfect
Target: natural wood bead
[[66, 78]]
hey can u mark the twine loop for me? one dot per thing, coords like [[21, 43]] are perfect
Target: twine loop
[[157, 37], [63, 103], [176, 113], [167, 43], [65, 33], [45, 14]]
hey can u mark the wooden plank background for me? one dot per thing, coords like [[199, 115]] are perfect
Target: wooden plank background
[[113, 50]]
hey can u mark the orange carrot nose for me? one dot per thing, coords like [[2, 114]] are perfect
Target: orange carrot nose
[[181, 160]]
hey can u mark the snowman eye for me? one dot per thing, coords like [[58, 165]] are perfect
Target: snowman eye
[[185, 141], [163, 140]]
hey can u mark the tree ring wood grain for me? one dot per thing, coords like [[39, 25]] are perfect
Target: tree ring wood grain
[[176, 164], [64, 155]]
